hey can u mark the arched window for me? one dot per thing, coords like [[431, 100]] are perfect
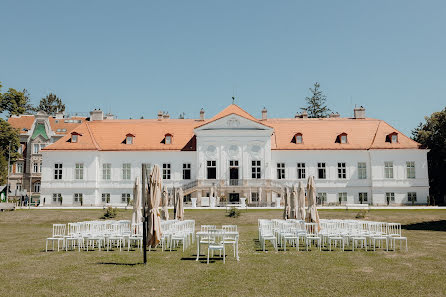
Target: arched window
[[129, 138], [342, 138], [37, 187], [392, 137], [297, 138]]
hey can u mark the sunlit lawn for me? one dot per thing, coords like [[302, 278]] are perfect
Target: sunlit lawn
[[25, 268]]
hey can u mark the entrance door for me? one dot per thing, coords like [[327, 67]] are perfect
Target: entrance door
[[234, 197]]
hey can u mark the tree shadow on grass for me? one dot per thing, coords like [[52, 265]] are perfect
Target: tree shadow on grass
[[427, 226], [119, 264]]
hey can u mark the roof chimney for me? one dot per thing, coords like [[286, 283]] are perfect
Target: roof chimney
[[202, 114], [334, 115], [59, 115], [304, 114], [160, 115], [264, 114], [166, 115], [109, 116], [359, 112], [96, 115]]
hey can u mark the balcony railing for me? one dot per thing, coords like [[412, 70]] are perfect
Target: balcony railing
[[235, 182]]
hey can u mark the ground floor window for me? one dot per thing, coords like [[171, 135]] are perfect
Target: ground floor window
[[321, 198], [254, 197], [390, 197], [78, 197], [342, 197], [412, 197], [125, 198], [37, 187], [105, 197], [363, 197], [187, 198], [57, 197]]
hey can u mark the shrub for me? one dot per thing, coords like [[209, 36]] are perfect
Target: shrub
[[362, 214], [110, 213], [233, 212]]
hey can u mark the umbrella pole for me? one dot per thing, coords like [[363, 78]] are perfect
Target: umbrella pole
[[144, 202]]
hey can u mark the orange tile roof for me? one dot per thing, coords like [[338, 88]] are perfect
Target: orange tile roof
[[318, 134], [22, 122], [26, 122]]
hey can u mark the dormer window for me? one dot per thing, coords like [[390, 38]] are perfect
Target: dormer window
[[75, 137], [342, 138], [168, 139], [297, 138], [392, 137], [129, 138]]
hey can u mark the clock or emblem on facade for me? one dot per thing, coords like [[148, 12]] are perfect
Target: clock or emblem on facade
[[211, 150], [233, 150], [255, 149], [233, 123]]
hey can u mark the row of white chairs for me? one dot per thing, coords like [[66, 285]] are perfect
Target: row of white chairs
[[329, 233], [218, 238]]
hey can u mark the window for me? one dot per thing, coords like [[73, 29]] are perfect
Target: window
[[362, 170], [40, 166], [390, 197], [74, 138], [297, 138], [280, 170], [211, 169], [342, 171], [321, 198], [186, 171], [19, 167], [58, 171], [388, 169], [105, 197], [18, 187], [129, 138], [412, 196], [301, 170], [42, 146], [410, 169], [254, 197], [20, 149], [321, 171], [166, 171], [36, 148], [78, 197], [35, 167], [394, 138], [37, 187], [168, 139], [125, 198], [57, 197], [106, 171], [342, 197], [341, 138], [362, 197], [79, 171], [256, 172], [126, 171]]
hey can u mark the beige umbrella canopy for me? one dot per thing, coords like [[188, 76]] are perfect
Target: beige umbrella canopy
[[180, 205], [301, 202], [287, 210], [137, 214], [312, 210], [154, 223], [165, 203], [259, 199], [294, 203]]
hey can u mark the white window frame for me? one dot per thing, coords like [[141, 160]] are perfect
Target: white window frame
[[125, 196], [126, 171], [36, 187], [211, 164], [388, 170], [19, 167], [79, 171], [77, 197], [281, 173], [301, 172], [411, 196], [342, 170], [321, 166], [187, 167], [362, 170], [57, 197], [410, 169], [256, 169], [167, 171], [342, 197], [364, 195], [36, 148], [129, 140], [390, 195], [106, 171], [58, 171], [106, 198], [35, 167]]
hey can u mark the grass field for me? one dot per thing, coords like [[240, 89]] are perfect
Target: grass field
[[26, 270]]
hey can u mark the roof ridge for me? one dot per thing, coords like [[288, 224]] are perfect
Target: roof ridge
[[92, 137], [374, 136]]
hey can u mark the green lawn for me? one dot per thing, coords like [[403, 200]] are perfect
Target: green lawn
[[25, 268]]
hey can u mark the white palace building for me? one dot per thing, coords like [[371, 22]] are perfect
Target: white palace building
[[354, 160]]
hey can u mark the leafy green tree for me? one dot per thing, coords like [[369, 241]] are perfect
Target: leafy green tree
[[432, 135], [51, 104], [8, 136], [316, 104], [15, 102]]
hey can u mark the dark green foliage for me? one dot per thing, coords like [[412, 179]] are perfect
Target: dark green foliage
[[51, 104], [432, 135], [110, 213], [316, 104], [15, 102], [233, 213]]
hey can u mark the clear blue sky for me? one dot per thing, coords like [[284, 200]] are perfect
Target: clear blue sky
[[135, 58]]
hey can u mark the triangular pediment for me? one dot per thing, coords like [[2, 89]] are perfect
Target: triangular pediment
[[233, 122]]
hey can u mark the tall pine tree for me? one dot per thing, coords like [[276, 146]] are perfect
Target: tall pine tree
[[51, 104], [316, 104]]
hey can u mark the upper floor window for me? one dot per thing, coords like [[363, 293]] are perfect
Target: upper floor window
[[20, 149], [168, 139], [321, 171], [392, 137], [106, 171], [256, 172], [75, 137], [35, 167], [19, 167], [342, 171], [362, 170], [342, 138], [301, 170], [126, 171], [36, 148], [280, 170], [129, 138], [58, 171], [186, 171], [166, 171], [211, 169], [79, 171], [410, 168], [388, 169], [297, 138]]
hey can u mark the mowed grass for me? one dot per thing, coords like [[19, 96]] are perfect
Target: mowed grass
[[26, 270]]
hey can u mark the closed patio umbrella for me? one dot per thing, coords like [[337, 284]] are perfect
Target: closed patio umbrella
[[312, 210], [137, 214], [301, 202], [259, 199], [180, 205], [154, 223], [287, 210], [294, 203], [165, 203]]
